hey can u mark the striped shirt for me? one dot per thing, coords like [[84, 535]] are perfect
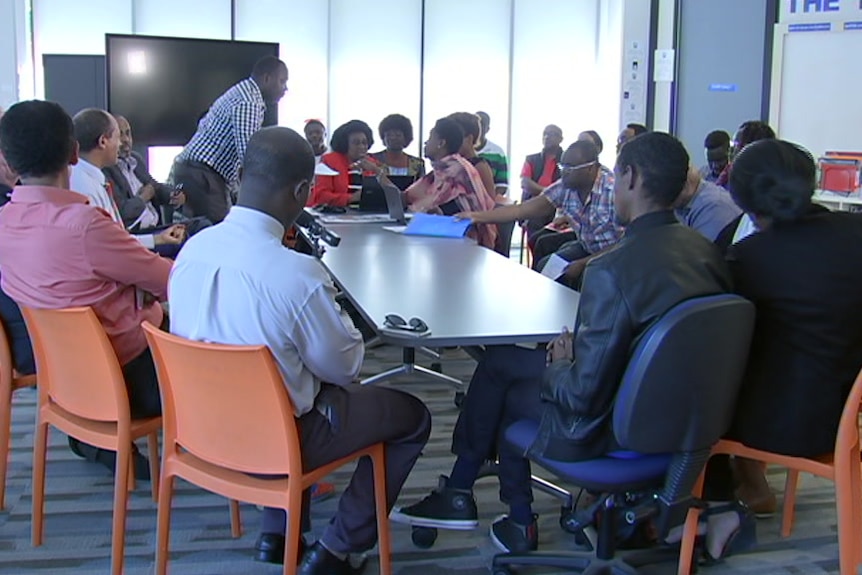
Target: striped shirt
[[223, 134], [593, 220], [497, 160]]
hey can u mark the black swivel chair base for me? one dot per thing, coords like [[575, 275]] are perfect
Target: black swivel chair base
[[603, 561]]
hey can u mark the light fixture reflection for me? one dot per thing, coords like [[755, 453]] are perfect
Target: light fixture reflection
[[137, 63]]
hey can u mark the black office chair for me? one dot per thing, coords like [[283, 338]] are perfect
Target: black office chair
[[675, 401]]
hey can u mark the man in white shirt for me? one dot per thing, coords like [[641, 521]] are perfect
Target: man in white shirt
[[98, 138], [235, 283]]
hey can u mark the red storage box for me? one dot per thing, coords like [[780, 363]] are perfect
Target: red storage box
[[839, 172]]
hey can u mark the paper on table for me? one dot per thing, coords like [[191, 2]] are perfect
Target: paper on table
[[396, 229], [555, 267]]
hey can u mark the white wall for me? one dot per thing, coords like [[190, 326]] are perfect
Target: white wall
[[301, 27], [375, 63], [63, 27], [9, 50], [182, 18], [565, 71], [467, 62]]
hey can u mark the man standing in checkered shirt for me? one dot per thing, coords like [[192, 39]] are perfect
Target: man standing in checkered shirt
[[209, 164]]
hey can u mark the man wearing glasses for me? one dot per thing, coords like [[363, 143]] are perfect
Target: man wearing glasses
[[584, 193]]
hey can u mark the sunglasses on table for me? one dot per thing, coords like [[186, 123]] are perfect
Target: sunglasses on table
[[569, 168], [395, 321]]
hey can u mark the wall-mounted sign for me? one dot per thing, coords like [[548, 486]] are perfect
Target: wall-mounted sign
[[820, 10], [723, 87]]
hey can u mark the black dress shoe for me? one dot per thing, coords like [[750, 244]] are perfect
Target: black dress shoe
[[319, 561], [270, 548]]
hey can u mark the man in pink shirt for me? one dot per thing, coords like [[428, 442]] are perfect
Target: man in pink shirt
[[58, 252]]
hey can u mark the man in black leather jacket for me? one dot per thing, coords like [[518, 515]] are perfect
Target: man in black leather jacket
[[658, 264]]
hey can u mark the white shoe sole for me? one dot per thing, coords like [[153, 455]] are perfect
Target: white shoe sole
[[455, 524]]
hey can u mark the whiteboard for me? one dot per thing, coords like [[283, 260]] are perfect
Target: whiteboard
[[817, 89]]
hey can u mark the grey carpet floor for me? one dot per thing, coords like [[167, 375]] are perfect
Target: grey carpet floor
[[79, 495]]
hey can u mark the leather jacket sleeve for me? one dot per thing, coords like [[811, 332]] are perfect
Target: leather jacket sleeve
[[603, 338]]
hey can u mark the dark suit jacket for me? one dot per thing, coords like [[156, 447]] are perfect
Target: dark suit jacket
[[806, 280], [131, 206], [658, 264]]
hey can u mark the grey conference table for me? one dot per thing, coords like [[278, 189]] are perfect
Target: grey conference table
[[468, 295]]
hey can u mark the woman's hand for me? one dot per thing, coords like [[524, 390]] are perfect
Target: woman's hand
[[366, 165]]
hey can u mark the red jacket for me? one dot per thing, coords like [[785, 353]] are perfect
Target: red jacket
[[333, 190]]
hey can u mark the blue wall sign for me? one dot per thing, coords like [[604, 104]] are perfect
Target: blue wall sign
[[814, 27], [723, 87]]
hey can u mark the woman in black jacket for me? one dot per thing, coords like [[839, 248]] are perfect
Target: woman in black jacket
[[802, 270]]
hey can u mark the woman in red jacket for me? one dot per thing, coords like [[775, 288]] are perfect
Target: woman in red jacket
[[350, 143]]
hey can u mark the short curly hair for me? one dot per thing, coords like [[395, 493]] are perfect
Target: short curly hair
[[340, 140], [397, 122], [37, 138]]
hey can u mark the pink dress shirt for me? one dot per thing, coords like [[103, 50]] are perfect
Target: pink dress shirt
[[57, 251]]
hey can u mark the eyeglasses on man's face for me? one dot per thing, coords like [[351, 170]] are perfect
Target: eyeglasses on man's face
[[569, 168]]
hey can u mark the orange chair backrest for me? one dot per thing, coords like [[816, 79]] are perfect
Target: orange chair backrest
[[225, 404], [78, 368], [6, 365], [848, 427]]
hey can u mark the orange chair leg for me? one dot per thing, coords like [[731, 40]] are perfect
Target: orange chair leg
[[384, 542], [848, 500], [689, 534], [855, 501], [163, 524], [40, 447], [5, 432], [789, 509], [294, 526], [153, 454], [121, 494], [235, 519]]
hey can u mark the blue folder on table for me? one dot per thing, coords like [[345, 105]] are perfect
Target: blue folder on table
[[439, 226]]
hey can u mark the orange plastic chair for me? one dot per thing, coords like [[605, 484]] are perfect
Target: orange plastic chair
[[10, 380], [842, 467], [83, 394], [227, 415]]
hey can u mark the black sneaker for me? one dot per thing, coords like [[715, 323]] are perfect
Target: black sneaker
[[510, 537], [445, 508]]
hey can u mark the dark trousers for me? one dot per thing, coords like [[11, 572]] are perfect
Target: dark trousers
[[569, 251], [142, 385], [205, 189], [503, 390], [718, 483], [544, 242], [360, 416]]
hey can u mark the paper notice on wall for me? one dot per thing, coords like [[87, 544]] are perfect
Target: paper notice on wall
[[664, 66]]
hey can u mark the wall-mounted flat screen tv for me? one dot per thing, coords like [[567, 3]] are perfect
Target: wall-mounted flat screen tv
[[164, 85]]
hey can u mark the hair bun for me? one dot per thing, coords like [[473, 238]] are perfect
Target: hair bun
[[784, 197]]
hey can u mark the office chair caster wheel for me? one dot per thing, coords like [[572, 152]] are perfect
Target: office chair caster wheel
[[459, 399], [424, 537]]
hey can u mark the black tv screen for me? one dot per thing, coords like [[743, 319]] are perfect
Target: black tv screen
[[164, 85]]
